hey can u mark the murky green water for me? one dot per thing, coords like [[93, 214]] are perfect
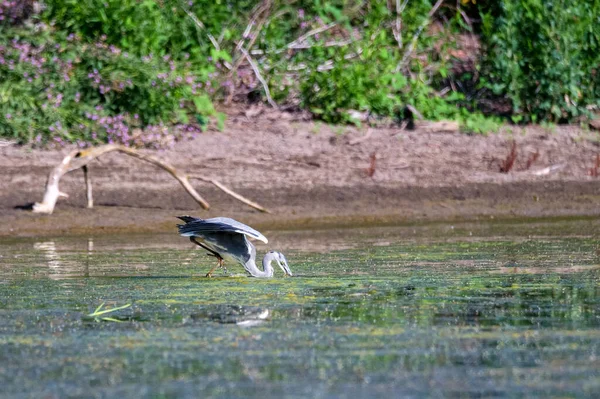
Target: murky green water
[[491, 309]]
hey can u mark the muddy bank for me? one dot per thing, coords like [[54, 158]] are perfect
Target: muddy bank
[[309, 173]]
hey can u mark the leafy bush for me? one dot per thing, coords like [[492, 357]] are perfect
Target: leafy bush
[[144, 27], [56, 88], [544, 55], [378, 72], [128, 70]]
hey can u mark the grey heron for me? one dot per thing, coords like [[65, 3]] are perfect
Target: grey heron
[[226, 239]]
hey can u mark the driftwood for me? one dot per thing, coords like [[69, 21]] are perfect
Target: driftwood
[[230, 192], [81, 158]]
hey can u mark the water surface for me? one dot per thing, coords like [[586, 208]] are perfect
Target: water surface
[[501, 308]]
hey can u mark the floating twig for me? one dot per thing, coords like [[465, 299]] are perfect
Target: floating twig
[[96, 314]]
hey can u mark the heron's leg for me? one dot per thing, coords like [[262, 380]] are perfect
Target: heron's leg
[[212, 253], [219, 264]]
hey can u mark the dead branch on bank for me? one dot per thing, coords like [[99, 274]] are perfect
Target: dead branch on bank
[[81, 158], [230, 192]]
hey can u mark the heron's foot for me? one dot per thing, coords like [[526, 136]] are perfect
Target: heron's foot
[[219, 264]]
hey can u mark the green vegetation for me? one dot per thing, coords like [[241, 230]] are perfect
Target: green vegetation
[[146, 73], [98, 314], [544, 56]]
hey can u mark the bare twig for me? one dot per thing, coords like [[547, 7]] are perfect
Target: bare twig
[[332, 43], [398, 31], [83, 157], [259, 10], [507, 164], [299, 41], [212, 39], [372, 164], [417, 34], [328, 65], [230, 192], [259, 77], [415, 111]]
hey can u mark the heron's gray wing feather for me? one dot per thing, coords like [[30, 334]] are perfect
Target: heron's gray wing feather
[[220, 224]]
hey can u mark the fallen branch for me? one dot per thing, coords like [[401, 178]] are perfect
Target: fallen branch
[[230, 192], [81, 158]]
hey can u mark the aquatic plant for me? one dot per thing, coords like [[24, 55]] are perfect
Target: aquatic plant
[[97, 314]]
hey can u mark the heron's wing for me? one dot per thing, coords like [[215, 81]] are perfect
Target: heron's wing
[[195, 226]]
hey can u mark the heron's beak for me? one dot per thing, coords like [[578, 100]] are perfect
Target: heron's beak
[[282, 262]]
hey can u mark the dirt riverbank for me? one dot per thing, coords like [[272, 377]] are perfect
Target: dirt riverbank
[[309, 173]]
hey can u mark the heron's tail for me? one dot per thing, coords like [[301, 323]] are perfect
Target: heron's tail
[[184, 228], [187, 219]]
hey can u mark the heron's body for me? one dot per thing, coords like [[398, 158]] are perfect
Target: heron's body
[[226, 239]]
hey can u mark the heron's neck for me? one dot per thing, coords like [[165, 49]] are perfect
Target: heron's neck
[[267, 268]]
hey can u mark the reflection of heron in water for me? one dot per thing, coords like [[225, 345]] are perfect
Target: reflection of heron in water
[[226, 240]]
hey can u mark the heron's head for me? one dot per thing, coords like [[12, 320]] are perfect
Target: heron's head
[[282, 262]]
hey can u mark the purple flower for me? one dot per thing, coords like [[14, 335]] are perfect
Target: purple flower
[[301, 13], [8, 116]]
